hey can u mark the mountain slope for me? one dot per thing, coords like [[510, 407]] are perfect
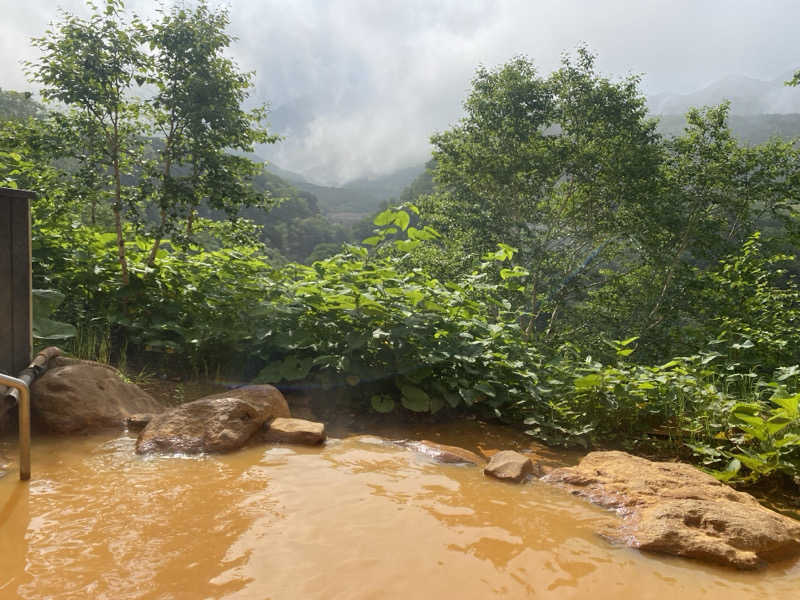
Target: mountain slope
[[748, 96]]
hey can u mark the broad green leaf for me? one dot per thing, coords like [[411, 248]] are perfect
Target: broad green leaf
[[382, 403], [778, 422], [747, 413], [485, 388], [790, 404], [436, 404], [592, 380], [402, 219], [415, 398], [47, 329], [45, 302], [384, 218]]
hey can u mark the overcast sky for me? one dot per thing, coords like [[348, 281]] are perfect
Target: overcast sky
[[358, 86]]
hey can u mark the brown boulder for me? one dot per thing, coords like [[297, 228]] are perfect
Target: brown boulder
[[217, 423], [511, 466], [443, 453], [6, 404], [677, 509], [138, 421], [81, 396], [266, 395], [294, 431]]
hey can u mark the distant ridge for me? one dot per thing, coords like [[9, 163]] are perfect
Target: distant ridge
[[747, 95], [354, 200]]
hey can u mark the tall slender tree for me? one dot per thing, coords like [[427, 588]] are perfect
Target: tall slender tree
[[198, 111], [91, 65]]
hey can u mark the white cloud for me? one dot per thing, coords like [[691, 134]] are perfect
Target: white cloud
[[362, 84]]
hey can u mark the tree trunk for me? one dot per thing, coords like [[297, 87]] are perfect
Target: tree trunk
[[123, 261], [151, 260]]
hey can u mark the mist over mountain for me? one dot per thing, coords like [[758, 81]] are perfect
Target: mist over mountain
[[747, 95], [356, 199]]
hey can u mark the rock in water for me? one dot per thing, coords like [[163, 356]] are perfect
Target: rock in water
[[83, 396], [218, 423], [267, 395], [511, 466], [294, 431], [137, 422], [677, 509], [443, 453]]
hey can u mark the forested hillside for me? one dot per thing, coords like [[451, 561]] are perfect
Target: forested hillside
[[291, 222], [747, 129], [355, 199]]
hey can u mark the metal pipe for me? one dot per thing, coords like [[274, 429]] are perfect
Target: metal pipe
[[24, 403]]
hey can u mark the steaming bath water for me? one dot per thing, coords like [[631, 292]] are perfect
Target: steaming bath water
[[354, 519]]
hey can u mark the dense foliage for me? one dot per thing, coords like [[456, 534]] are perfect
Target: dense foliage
[[561, 265]]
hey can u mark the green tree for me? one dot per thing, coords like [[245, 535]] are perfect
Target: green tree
[[560, 167], [18, 106], [197, 111], [713, 194], [91, 65]]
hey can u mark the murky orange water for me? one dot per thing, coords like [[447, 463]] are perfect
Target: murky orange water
[[355, 519]]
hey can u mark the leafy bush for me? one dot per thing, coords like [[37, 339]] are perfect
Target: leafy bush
[[365, 318]]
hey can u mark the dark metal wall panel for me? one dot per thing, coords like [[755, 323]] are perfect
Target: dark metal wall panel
[[6, 314], [15, 281]]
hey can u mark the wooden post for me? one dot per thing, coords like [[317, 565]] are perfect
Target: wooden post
[[16, 310]]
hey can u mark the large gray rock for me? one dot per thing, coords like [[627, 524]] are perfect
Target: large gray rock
[[511, 466], [217, 423], [677, 509], [83, 396]]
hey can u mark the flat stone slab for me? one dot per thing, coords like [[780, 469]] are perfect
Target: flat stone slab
[[511, 466], [677, 509], [294, 431], [442, 452]]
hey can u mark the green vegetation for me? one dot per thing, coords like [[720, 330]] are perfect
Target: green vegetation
[[747, 129], [561, 265]]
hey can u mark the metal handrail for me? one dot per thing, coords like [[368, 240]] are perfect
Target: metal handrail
[[24, 403]]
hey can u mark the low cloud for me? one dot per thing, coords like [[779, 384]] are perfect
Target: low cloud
[[358, 86]]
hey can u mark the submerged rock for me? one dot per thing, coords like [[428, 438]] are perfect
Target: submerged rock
[[293, 431], [677, 509], [443, 453], [217, 423], [82, 396], [511, 466]]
